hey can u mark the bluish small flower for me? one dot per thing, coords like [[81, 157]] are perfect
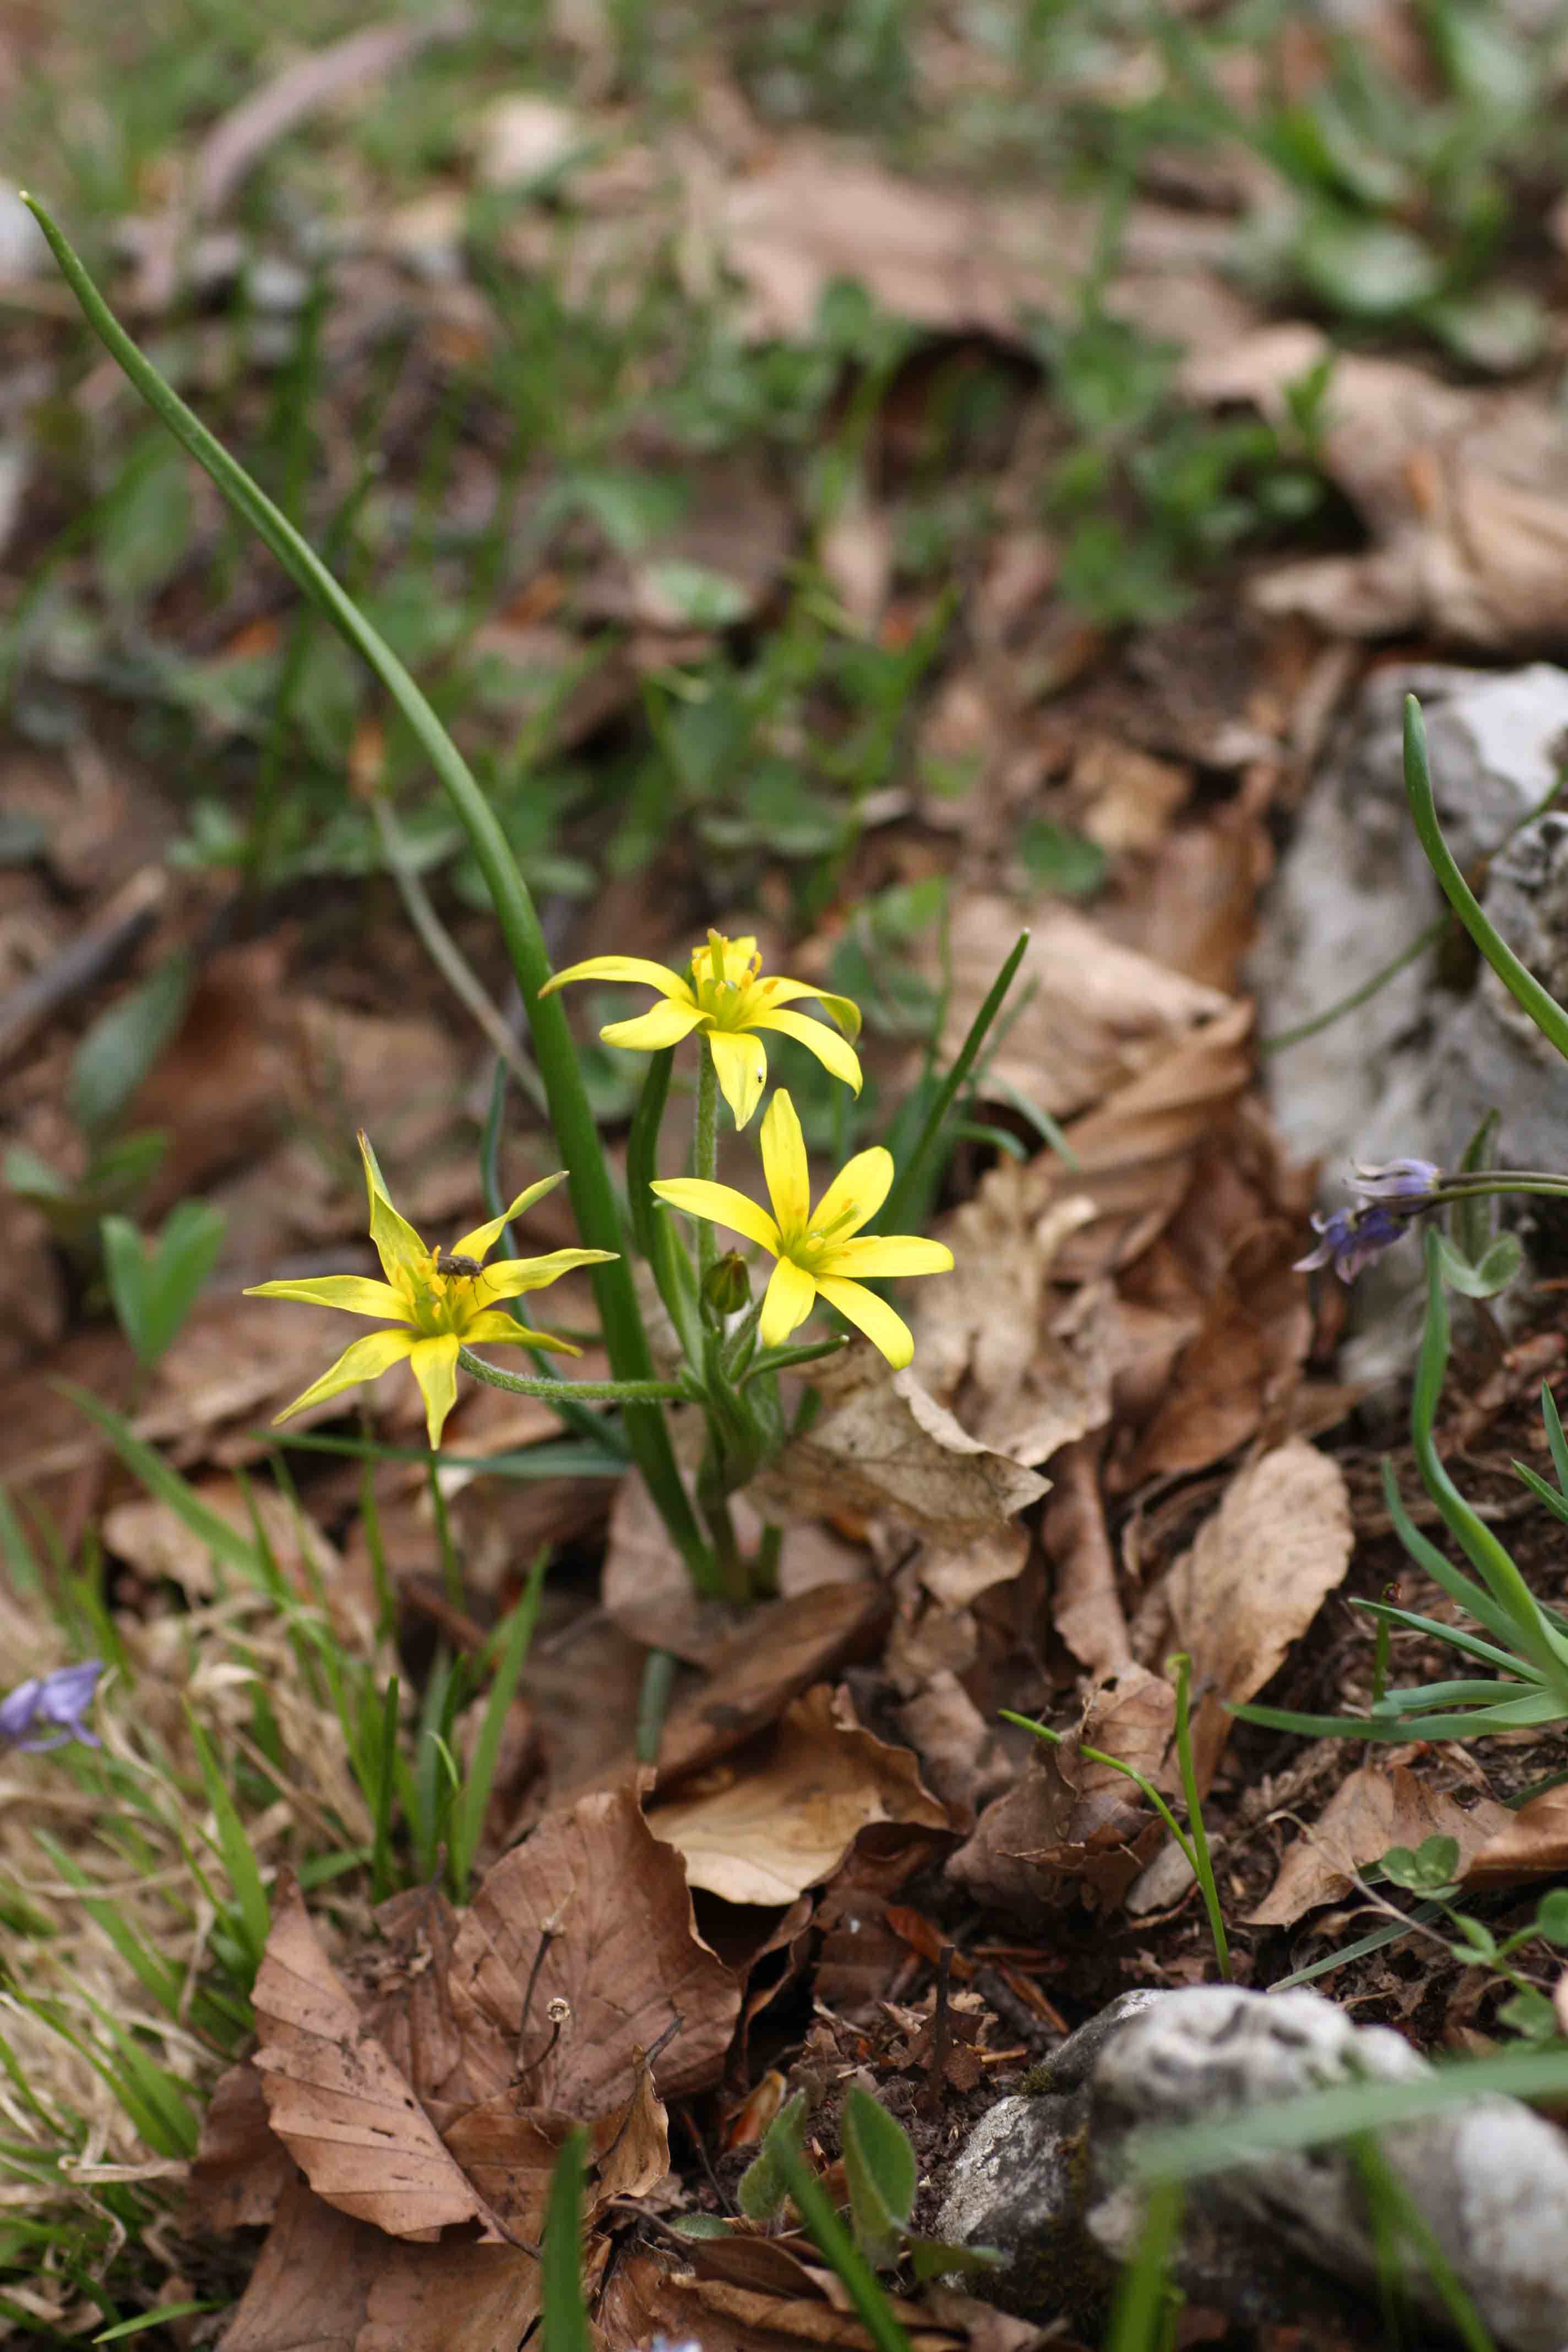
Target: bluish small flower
[[1403, 1184], [1352, 1238], [60, 1699]]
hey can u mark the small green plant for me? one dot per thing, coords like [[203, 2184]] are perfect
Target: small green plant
[[882, 2175], [153, 1287], [1431, 1871]]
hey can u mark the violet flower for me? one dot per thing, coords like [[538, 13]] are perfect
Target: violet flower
[[1407, 1184], [1352, 1238], [60, 1699]]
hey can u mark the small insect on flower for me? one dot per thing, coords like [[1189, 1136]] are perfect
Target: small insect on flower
[[55, 1703], [433, 1298]]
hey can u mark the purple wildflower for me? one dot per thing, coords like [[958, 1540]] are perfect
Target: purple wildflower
[[1406, 1184], [1352, 1238], [61, 1698]]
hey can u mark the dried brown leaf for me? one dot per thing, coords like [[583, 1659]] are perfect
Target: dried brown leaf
[[336, 2100], [1531, 1844], [882, 1443], [1086, 1605], [1462, 490], [623, 1954], [987, 1345], [1378, 1806], [785, 1646], [325, 2282], [1069, 1824], [241, 2167], [1097, 1014], [767, 1830], [401, 1987], [1253, 1579]]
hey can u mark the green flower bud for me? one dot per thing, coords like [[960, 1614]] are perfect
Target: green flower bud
[[727, 1285]]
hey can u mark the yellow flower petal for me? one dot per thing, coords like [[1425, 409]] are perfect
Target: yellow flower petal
[[511, 1276], [497, 1329], [791, 1295], [871, 1314], [856, 1193], [840, 1009], [485, 1237], [434, 1363], [834, 1052], [666, 1024], [784, 1165], [721, 1206], [396, 1242], [630, 968], [353, 1293], [366, 1359], [742, 1066], [868, 1256]]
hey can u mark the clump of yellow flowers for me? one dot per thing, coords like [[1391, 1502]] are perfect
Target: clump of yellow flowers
[[439, 1303]]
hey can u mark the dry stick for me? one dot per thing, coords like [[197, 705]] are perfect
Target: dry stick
[[547, 1935]]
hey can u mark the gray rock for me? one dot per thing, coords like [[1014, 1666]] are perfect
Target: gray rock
[[1284, 2235], [1415, 1069]]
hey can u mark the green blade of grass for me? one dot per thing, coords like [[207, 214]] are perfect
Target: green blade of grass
[[234, 1845], [593, 1195], [564, 2323], [468, 1813]]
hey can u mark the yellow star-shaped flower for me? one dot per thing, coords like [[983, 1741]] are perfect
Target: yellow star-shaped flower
[[725, 999], [441, 1300], [821, 1251]]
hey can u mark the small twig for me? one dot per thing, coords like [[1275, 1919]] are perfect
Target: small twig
[[547, 1935], [448, 958]]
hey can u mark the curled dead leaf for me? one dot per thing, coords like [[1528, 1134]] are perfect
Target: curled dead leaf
[[882, 1443], [1530, 1843], [1255, 1578], [1378, 1806], [770, 1827]]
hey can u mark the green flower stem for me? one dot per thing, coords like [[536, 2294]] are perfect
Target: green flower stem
[[705, 1150], [572, 1392], [592, 1197], [1141, 1781], [1526, 991], [1181, 1666], [737, 1347]]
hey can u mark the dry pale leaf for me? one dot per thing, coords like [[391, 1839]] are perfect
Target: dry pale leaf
[[961, 1757], [1463, 489], [986, 1345], [1377, 1807], [336, 2100], [1254, 1579], [610, 1901], [325, 2282], [158, 1541], [1086, 1606], [882, 1443], [1531, 1844], [1097, 1013], [1137, 1152], [947, 260], [524, 135], [766, 1829], [508, 2148]]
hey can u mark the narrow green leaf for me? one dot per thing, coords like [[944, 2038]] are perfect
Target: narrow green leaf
[[564, 2326], [468, 1813], [234, 1845], [761, 2193]]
